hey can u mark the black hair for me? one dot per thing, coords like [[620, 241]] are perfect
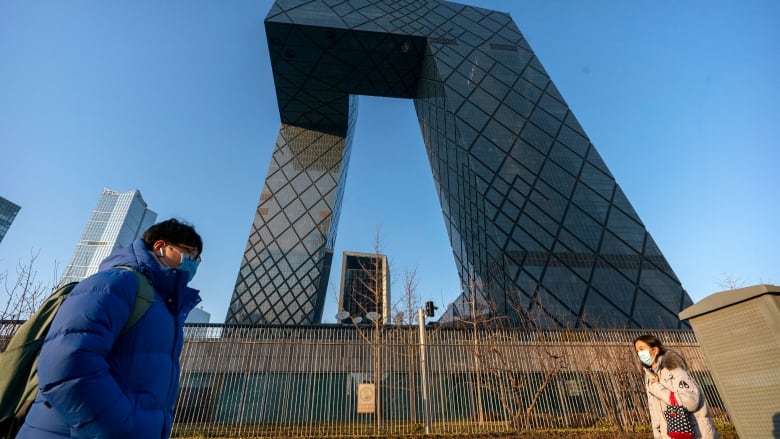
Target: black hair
[[175, 232], [653, 342]]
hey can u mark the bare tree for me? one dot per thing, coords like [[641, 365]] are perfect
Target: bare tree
[[495, 371], [404, 312], [26, 293], [404, 309], [730, 282], [366, 290]]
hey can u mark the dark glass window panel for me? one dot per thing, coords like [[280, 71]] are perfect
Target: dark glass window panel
[[533, 229], [504, 74], [621, 202], [554, 309], [664, 288], [650, 314], [590, 202], [495, 88], [578, 262], [553, 106], [583, 227], [609, 282], [572, 123], [504, 223], [499, 135], [528, 90], [621, 256], [509, 119], [594, 158], [546, 122], [574, 141], [577, 247], [484, 101], [565, 284], [559, 179], [540, 217], [566, 159], [534, 76], [473, 116], [598, 312], [536, 138], [626, 229], [596, 180]]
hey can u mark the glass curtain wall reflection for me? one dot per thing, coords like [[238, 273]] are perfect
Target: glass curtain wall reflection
[[541, 232]]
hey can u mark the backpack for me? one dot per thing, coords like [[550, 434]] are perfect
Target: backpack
[[19, 361]]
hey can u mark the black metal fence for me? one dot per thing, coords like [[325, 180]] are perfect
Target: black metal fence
[[306, 381], [330, 380]]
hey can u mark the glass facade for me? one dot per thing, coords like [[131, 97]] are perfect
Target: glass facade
[[8, 211], [364, 286], [539, 228], [117, 220]]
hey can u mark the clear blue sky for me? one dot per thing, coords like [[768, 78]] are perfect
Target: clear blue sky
[[176, 99]]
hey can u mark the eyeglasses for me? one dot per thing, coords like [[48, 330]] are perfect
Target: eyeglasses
[[191, 252]]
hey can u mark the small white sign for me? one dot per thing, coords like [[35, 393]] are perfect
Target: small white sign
[[365, 398]]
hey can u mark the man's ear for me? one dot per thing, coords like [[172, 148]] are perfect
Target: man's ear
[[158, 245]]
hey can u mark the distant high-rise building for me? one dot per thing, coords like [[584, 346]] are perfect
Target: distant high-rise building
[[364, 287], [117, 220], [198, 315], [8, 211], [538, 226]]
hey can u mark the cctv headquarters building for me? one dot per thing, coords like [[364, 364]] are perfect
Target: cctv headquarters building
[[536, 221]]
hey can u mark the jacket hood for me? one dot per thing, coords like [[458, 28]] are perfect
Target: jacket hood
[[672, 360]]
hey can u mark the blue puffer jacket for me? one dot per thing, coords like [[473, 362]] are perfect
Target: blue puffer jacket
[[96, 383]]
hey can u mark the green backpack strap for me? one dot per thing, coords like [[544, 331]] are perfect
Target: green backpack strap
[[143, 298]]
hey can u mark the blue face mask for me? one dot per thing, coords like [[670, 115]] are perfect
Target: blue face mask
[[645, 357], [188, 265]]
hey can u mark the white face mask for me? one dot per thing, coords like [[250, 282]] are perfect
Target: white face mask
[[645, 357]]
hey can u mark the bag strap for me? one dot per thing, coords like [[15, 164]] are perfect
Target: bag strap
[[672, 399], [144, 297]]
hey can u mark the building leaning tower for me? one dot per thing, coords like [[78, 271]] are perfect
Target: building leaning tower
[[537, 223]]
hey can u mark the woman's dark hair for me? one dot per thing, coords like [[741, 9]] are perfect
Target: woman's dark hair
[[174, 231], [652, 341]]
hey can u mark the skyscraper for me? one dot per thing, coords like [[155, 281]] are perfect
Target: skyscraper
[[8, 211], [117, 220], [538, 225], [364, 286]]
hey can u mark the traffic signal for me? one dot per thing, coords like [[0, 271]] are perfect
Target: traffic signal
[[430, 309]]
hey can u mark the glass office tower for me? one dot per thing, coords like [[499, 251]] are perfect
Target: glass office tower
[[364, 287], [8, 211], [539, 228], [117, 220]]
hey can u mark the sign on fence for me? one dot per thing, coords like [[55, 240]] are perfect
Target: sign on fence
[[365, 398]]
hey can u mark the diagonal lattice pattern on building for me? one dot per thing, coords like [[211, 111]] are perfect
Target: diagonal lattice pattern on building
[[534, 216]]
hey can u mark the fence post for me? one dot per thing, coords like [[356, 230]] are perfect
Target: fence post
[[423, 373]]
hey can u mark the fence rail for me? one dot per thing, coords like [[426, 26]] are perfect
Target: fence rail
[[280, 381]]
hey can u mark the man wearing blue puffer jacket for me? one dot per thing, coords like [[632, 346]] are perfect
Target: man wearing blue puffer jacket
[[96, 382]]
